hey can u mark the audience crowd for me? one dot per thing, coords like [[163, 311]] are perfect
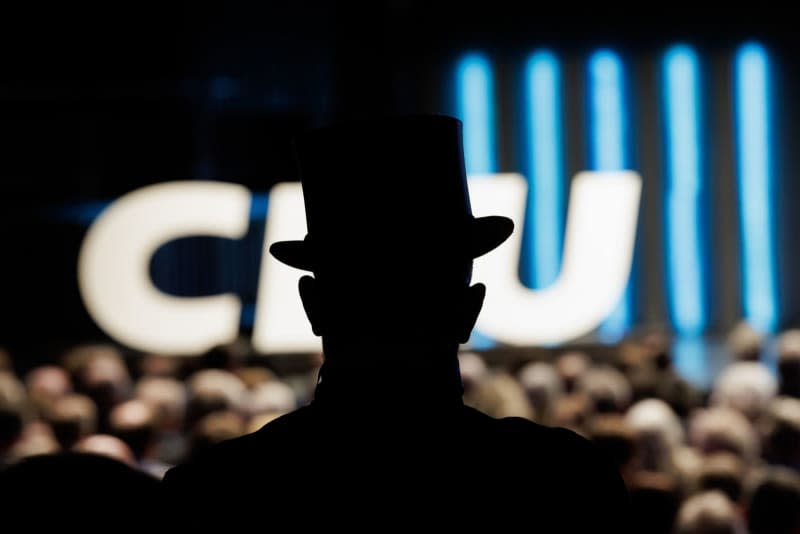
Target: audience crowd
[[725, 459]]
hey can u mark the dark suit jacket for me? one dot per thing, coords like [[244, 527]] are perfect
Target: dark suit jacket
[[329, 466]]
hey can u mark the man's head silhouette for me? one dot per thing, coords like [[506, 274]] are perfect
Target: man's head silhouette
[[391, 239]]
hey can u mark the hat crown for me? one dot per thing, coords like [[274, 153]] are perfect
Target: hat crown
[[378, 191], [392, 178]]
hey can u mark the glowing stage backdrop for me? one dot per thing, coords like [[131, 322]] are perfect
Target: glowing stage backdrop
[[702, 127], [707, 125], [683, 88]]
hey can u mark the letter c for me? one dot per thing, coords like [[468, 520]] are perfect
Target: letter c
[[114, 261]]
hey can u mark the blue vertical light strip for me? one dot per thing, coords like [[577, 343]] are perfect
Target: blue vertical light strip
[[690, 358], [608, 149], [475, 107], [545, 166], [754, 172], [684, 187]]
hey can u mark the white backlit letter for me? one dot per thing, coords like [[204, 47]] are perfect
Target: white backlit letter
[[598, 251], [113, 267], [281, 324]]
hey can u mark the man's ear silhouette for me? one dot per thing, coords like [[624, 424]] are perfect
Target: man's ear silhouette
[[470, 309], [309, 294]]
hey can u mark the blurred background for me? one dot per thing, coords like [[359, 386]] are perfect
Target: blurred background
[[691, 384]]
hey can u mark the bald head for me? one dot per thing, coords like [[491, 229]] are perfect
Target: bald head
[[270, 397], [543, 386], [167, 396], [608, 389], [708, 513], [745, 342], [105, 445], [72, 417], [748, 387], [571, 366], [724, 430], [47, 383], [134, 422]]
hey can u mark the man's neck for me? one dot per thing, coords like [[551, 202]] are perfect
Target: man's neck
[[390, 375]]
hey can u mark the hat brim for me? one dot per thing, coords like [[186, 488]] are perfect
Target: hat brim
[[487, 233]]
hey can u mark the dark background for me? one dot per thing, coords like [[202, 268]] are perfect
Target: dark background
[[100, 99]]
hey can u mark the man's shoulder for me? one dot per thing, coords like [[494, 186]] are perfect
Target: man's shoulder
[[232, 458], [567, 445], [558, 465], [526, 433]]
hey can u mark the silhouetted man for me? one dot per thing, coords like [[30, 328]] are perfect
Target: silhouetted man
[[78, 492], [387, 439]]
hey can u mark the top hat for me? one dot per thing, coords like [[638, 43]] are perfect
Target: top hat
[[380, 190]]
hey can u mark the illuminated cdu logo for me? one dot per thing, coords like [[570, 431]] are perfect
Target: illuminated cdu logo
[[573, 263], [117, 290]]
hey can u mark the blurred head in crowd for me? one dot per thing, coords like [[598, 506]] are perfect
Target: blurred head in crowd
[[745, 386], [607, 388], [654, 417], [710, 512], [647, 362], [781, 432], [573, 411], [106, 377], [658, 432], [473, 370], [159, 365], [108, 446], [688, 463], [214, 428], [135, 423], [774, 502], [682, 396], [570, 367], [36, 438], [254, 376], [650, 351], [543, 386], [46, 384], [789, 363], [167, 397], [213, 390], [722, 471], [270, 397], [724, 430], [75, 359], [72, 417], [657, 343], [500, 395], [101, 373], [644, 380], [13, 411], [745, 343]]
